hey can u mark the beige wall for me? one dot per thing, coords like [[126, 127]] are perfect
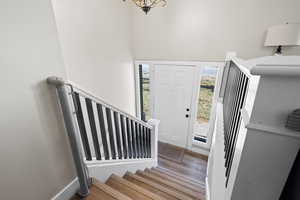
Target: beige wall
[[35, 161], [96, 41], [206, 30]]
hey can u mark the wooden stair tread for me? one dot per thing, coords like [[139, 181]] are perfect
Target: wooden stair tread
[[175, 180], [176, 165], [180, 176], [170, 192], [149, 188], [172, 185], [135, 187], [182, 169], [97, 194], [109, 190], [133, 194]]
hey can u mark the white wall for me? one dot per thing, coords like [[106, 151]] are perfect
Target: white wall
[[206, 30], [96, 41], [35, 157], [100, 38]]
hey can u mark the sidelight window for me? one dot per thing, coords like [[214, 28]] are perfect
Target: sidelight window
[[205, 102]]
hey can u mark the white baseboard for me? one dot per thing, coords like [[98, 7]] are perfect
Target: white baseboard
[[67, 192], [207, 191]]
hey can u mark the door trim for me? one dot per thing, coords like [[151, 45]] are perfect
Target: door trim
[[191, 145]]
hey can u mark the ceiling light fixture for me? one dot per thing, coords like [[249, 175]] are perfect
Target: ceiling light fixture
[[146, 5]]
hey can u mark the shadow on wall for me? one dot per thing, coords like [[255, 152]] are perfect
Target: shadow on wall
[[291, 189], [56, 144]]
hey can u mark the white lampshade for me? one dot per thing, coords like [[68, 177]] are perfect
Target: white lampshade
[[283, 35]]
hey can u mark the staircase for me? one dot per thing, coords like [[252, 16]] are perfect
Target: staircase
[[155, 183], [109, 144]]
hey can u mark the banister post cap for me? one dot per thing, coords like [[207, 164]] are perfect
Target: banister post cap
[[54, 80], [230, 55], [153, 122]]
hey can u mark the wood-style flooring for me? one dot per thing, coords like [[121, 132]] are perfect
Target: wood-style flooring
[[192, 164]]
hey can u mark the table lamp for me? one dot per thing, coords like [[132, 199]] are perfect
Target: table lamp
[[283, 35]]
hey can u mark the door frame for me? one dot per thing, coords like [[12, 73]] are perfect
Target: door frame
[[191, 144]]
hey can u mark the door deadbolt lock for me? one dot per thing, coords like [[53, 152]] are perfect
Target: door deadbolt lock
[[188, 109]]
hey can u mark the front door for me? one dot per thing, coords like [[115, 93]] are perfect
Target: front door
[[173, 89]]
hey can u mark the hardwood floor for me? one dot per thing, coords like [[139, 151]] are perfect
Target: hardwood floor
[[170, 152], [193, 165]]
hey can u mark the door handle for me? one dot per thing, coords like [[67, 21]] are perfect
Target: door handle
[[187, 116]]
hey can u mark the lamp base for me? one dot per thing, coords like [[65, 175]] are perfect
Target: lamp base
[[279, 50]]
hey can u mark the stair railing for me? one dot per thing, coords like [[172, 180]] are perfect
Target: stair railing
[[100, 132], [236, 89]]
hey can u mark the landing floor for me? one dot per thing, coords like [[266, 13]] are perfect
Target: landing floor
[[191, 164]]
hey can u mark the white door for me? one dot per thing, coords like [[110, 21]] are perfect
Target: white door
[[173, 89]]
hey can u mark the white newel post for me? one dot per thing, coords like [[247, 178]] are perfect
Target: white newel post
[[154, 138]]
